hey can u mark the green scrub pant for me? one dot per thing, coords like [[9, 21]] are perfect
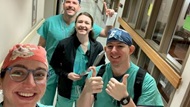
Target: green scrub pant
[[49, 95], [64, 102]]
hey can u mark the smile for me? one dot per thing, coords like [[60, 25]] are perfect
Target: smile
[[26, 94]]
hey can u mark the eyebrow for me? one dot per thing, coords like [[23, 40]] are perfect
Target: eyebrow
[[22, 66], [117, 42]]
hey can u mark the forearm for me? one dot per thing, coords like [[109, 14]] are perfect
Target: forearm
[[85, 99], [107, 28], [105, 31], [42, 42]]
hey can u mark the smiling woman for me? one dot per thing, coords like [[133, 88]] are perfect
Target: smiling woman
[[72, 56], [25, 69]]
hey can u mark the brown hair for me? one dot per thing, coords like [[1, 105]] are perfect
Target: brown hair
[[91, 33]]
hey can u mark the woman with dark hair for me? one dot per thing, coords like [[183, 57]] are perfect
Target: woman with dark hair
[[73, 56], [23, 76]]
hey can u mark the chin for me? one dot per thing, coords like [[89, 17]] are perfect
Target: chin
[[71, 14], [114, 62]]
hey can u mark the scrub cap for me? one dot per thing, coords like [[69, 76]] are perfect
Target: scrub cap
[[26, 52], [116, 34]]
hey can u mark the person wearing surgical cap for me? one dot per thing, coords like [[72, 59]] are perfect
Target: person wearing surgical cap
[[115, 86], [23, 76]]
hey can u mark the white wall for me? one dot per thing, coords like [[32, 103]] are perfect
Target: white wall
[[120, 12], [16, 22], [180, 92], [50, 8], [181, 18]]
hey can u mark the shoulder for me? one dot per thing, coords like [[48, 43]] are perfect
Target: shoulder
[[96, 26], [54, 18], [97, 30], [97, 44], [66, 40], [149, 83], [150, 92]]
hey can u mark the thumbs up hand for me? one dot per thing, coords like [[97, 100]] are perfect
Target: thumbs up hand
[[117, 89], [93, 84]]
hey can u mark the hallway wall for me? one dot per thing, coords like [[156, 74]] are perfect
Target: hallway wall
[[16, 22]]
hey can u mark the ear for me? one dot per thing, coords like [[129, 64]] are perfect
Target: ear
[[105, 48], [79, 8], [63, 5], [131, 49]]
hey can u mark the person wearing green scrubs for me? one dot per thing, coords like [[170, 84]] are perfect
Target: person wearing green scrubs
[[56, 28], [115, 88], [72, 57]]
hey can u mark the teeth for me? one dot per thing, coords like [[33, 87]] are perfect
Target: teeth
[[114, 56], [26, 94]]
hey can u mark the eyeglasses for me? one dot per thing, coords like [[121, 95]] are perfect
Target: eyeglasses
[[19, 74]]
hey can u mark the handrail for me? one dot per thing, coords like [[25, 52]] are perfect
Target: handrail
[[161, 64]]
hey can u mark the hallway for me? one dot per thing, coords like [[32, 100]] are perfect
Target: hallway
[[94, 11]]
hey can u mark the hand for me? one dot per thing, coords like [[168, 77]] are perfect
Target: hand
[[94, 84], [116, 89], [73, 76], [109, 12]]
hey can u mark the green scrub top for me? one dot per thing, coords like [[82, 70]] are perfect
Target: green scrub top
[[150, 94], [55, 29], [80, 63], [39, 105]]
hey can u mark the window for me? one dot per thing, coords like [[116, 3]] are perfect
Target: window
[[132, 10], [161, 20], [146, 15], [165, 88], [126, 10], [135, 10], [180, 39]]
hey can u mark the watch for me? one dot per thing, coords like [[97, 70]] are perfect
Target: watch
[[125, 100]]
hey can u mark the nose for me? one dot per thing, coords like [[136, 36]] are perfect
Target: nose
[[82, 24], [70, 4], [114, 49], [29, 81]]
